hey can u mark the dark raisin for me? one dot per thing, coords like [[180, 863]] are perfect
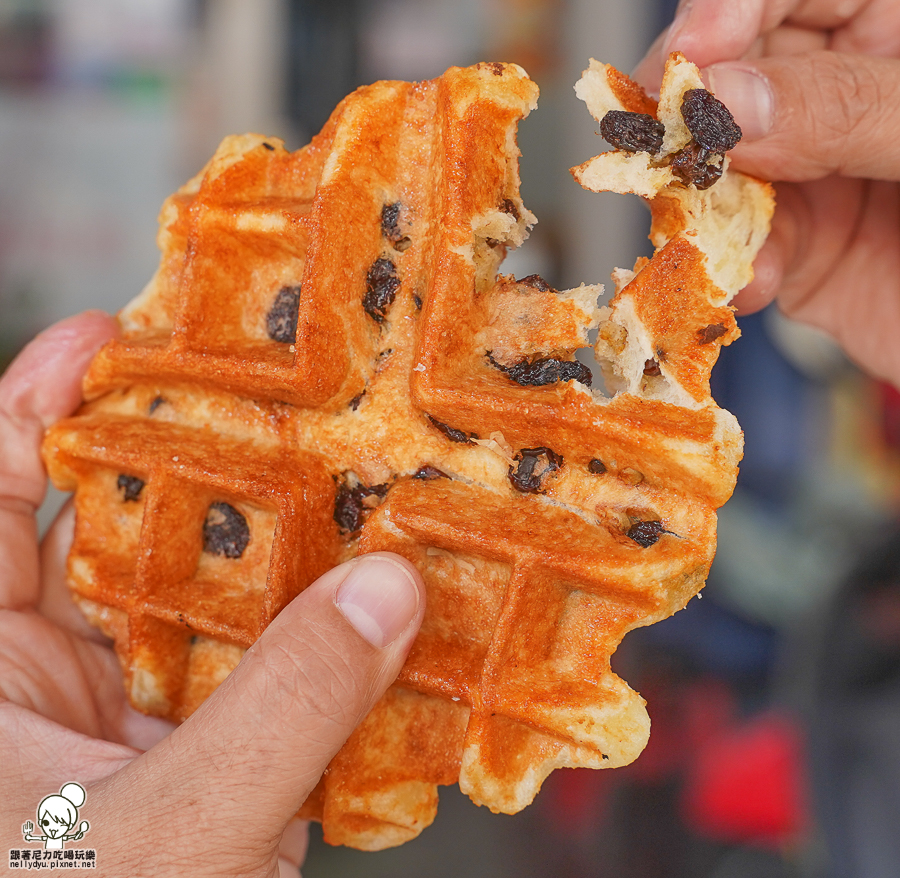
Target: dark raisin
[[428, 472], [651, 368], [452, 433], [269, 146], [354, 403], [195, 639], [281, 321], [537, 373], [131, 487], [709, 121], [381, 287], [390, 227], [646, 533], [509, 206], [390, 213], [710, 333], [536, 282], [225, 531], [417, 300], [597, 467], [157, 402], [535, 464], [689, 165], [350, 507], [633, 132]]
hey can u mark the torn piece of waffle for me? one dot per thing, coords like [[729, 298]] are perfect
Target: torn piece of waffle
[[327, 363]]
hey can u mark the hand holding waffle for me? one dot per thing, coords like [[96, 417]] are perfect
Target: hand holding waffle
[[63, 712], [814, 87]]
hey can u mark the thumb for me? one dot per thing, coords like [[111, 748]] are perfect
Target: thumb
[[242, 765], [809, 115]]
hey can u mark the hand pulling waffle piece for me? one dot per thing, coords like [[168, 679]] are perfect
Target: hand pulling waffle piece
[[327, 363]]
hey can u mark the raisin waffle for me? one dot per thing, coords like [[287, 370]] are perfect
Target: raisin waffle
[[326, 363]]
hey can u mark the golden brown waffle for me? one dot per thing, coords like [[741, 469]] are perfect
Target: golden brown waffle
[[422, 406]]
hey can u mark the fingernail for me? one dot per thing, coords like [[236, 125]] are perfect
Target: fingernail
[[379, 598], [747, 94], [682, 14]]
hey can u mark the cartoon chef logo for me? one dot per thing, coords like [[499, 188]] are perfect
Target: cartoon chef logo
[[57, 816]]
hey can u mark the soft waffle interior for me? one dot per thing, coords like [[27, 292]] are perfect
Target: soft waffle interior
[[529, 594]]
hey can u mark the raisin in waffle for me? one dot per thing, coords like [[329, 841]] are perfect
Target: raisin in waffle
[[327, 363]]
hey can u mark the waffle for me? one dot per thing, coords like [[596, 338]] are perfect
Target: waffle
[[327, 363]]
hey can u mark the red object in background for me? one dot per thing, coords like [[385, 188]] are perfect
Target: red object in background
[[684, 716], [890, 414], [748, 784]]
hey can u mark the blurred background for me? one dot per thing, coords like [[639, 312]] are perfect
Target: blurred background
[[775, 699]]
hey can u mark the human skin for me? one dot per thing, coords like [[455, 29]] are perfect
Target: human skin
[[215, 796], [815, 86]]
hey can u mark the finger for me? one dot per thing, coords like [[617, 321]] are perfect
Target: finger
[[41, 385], [808, 116], [35, 752], [649, 72], [875, 30], [292, 849], [710, 31], [783, 40], [707, 31], [119, 721], [791, 40], [106, 696], [845, 274], [127, 725], [254, 751], [826, 237], [827, 14]]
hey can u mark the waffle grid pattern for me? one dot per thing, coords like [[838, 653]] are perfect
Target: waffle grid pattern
[[528, 594]]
